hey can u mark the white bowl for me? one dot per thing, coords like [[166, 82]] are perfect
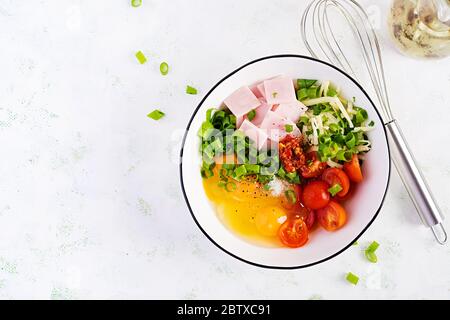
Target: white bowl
[[362, 208]]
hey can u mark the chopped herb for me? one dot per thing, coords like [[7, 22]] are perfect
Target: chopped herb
[[191, 90], [141, 57], [289, 128], [251, 115], [136, 3], [352, 278], [156, 114], [371, 123], [266, 187], [355, 243], [291, 196], [335, 189], [274, 94], [164, 68]]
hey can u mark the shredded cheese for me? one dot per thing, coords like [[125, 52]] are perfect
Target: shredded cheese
[[344, 112], [324, 88], [315, 138], [363, 129], [333, 164]]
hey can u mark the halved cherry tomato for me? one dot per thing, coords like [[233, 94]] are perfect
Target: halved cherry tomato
[[287, 202], [313, 167], [334, 176], [306, 215], [353, 169], [293, 233], [332, 217], [316, 195]]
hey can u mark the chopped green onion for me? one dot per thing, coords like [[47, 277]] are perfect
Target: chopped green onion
[[350, 140], [274, 94], [164, 68], [230, 186], [370, 252], [371, 256], [191, 90], [313, 92], [251, 115], [221, 184], [304, 120], [305, 83], [355, 243], [141, 57], [302, 94], [252, 168], [206, 173], [240, 171], [335, 189], [344, 155], [156, 114], [352, 278], [331, 92], [291, 196], [281, 172], [371, 123], [228, 166], [289, 128], [373, 246], [136, 3], [266, 187]]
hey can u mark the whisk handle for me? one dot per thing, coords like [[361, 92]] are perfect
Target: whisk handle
[[414, 182]]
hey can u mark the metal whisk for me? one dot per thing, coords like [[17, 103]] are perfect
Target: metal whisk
[[319, 37]]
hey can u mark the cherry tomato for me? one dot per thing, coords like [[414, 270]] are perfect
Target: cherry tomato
[[293, 233], [269, 220], [316, 195], [334, 176], [353, 169], [332, 217], [306, 215], [313, 167]]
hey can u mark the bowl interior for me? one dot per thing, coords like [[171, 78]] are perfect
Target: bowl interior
[[362, 207]]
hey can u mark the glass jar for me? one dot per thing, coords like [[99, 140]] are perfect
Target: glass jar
[[421, 28]]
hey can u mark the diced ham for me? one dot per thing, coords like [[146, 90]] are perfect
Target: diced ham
[[292, 110], [241, 101], [260, 112], [261, 90], [279, 90], [275, 126], [254, 133], [257, 91], [239, 121]]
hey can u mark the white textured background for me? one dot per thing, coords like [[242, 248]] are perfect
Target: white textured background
[[90, 203]]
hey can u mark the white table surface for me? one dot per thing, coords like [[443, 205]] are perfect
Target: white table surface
[[90, 202]]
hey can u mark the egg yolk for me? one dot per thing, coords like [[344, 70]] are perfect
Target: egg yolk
[[269, 220], [250, 211]]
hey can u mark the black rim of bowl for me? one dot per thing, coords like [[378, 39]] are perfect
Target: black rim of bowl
[[188, 128]]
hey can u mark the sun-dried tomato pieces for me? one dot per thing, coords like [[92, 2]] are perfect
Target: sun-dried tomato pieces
[[291, 153]]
